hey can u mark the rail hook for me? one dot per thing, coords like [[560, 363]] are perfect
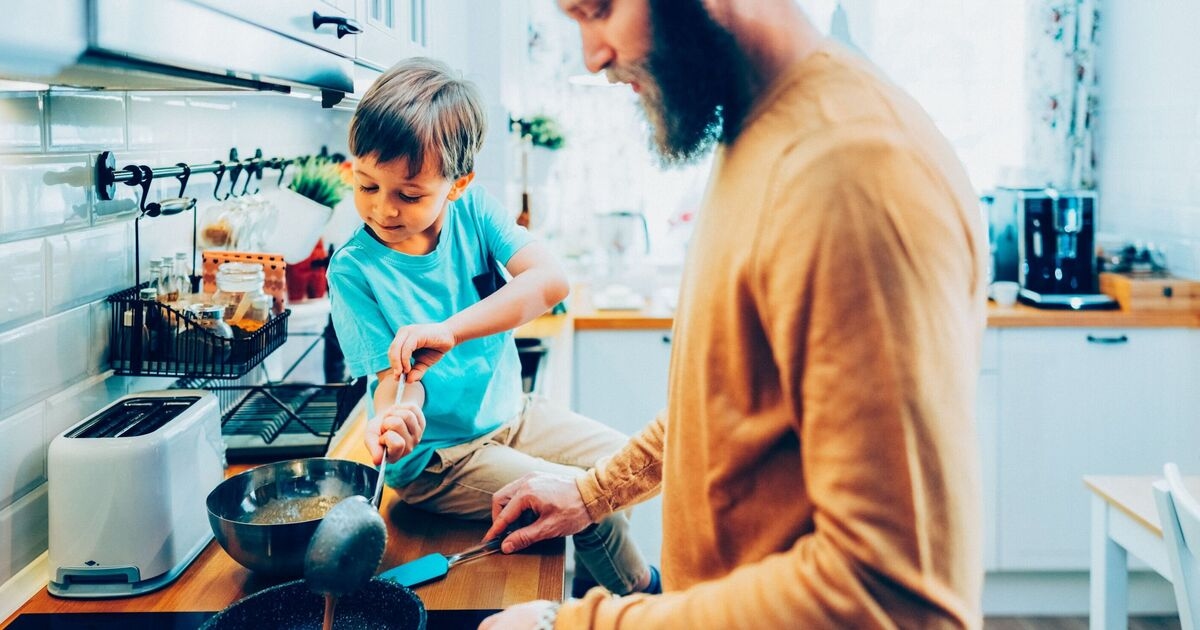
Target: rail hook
[[183, 177], [220, 172]]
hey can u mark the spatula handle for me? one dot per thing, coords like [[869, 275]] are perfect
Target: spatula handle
[[491, 546]]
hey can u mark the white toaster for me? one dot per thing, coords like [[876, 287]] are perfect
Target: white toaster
[[127, 488]]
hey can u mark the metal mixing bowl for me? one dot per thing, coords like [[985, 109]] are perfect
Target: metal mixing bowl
[[278, 548]]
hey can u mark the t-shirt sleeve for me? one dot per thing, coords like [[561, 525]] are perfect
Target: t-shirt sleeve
[[362, 331], [501, 234]]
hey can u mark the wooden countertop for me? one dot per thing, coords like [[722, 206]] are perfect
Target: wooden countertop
[[1018, 316], [214, 580]]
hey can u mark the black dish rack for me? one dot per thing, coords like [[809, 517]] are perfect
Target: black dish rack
[[149, 338], [276, 421]]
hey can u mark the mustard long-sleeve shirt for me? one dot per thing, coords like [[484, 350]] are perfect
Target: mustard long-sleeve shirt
[[817, 458]]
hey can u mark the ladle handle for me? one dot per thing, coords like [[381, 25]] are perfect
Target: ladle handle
[[383, 462]]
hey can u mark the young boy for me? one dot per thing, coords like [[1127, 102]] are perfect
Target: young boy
[[415, 296]]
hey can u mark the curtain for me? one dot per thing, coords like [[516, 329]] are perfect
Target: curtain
[[1061, 74]]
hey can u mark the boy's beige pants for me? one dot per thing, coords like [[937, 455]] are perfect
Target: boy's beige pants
[[545, 437]]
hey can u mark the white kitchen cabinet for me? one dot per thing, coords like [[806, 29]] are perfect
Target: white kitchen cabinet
[[621, 380], [383, 41], [1074, 402], [987, 402], [294, 18]]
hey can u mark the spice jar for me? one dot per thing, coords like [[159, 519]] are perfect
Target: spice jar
[[205, 341], [240, 291]]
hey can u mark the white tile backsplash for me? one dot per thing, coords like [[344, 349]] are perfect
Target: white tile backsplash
[[42, 358], [67, 408], [22, 282], [100, 317], [39, 194], [22, 453], [89, 265], [22, 116], [24, 532], [86, 120], [157, 120]]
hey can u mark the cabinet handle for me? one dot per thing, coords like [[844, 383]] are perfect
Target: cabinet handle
[[1108, 340], [666, 338], [345, 25]]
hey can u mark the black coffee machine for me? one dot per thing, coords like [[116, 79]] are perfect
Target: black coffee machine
[[1045, 239]]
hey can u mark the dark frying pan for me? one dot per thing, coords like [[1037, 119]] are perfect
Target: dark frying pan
[[291, 606]]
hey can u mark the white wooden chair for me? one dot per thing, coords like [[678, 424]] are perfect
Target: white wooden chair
[[1179, 513]]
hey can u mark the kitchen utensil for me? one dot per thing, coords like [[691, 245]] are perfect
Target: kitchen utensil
[[125, 490], [346, 548], [435, 565], [379, 604], [278, 548], [348, 544]]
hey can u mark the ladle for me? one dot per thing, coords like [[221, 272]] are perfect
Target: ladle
[[349, 543]]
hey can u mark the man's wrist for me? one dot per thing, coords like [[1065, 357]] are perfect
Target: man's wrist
[[548, 617]]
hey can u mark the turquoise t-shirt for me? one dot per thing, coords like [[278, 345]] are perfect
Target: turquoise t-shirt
[[374, 290]]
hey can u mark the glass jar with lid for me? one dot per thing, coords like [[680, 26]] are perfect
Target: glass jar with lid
[[240, 291], [205, 341]]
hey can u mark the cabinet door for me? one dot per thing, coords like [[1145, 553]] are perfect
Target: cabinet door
[[418, 25], [621, 380], [294, 18], [385, 29], [987, 405], [1075, 402]]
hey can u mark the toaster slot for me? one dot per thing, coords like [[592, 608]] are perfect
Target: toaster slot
[[134, 417]]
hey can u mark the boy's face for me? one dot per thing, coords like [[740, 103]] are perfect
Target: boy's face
[[405, 213]]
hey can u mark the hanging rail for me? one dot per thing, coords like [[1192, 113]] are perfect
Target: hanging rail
[[108, 175]]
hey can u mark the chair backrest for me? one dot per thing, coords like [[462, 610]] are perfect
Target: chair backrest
[[1179, 513]]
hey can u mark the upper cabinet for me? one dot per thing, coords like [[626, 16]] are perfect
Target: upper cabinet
[[327, 24], [184, 44], [384, 39]]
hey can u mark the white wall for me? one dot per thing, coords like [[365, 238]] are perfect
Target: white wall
[[1149, 134], [62, 251]]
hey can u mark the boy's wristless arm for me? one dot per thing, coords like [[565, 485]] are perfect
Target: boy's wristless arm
[[538, 284]]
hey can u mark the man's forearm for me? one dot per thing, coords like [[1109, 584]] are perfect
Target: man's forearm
[[630, 476]]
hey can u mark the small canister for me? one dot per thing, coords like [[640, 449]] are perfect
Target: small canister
[[240, 291], [205, 340]]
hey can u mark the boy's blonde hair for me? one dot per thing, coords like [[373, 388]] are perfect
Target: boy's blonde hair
[[418, 105]]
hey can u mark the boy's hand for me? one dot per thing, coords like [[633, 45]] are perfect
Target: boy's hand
[[417, 347], [400, 427]]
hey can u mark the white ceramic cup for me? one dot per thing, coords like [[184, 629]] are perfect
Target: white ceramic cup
[[1005, 293]]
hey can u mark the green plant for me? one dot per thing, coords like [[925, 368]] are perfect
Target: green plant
[[542, 131], [320, 180]]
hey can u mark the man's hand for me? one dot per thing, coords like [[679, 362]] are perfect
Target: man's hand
[[417, 347], [554, 499], [399, 427], [520, 617]]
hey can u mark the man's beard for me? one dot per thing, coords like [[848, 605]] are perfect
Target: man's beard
[[697, 91]]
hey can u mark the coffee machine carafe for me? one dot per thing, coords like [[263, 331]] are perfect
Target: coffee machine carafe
[[1056, 249]]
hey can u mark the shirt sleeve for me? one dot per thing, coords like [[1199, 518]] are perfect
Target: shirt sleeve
[[501, 234], [362, 331], [857, 314], [629, 476]]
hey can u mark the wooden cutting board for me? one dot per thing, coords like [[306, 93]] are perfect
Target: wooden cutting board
[[1151, 292]]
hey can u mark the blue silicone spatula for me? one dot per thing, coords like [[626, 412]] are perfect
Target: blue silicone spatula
[[435, 565]]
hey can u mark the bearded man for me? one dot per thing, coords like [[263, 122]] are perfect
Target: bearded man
[[817, 457]]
